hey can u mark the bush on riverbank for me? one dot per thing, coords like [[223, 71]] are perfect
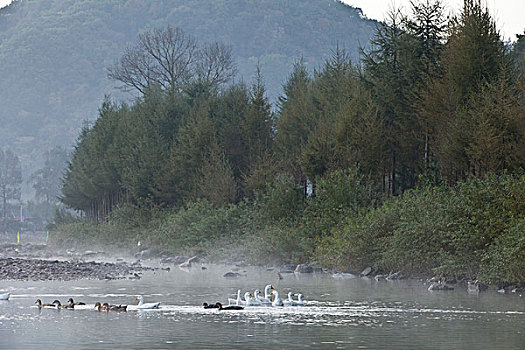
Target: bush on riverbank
[[279, 226], [474, 229]]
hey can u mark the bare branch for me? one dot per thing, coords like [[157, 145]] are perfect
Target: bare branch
[[215, 65], [163, 56]]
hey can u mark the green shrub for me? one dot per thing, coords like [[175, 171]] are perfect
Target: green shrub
[[467, 231], [283, 199], [505, 259]]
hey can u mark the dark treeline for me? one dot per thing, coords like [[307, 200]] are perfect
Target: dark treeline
[[433, 112]]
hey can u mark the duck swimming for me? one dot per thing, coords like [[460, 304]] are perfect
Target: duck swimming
[[60, 306], [210, 306], [40, 305], [115, 307], [70, 301], [229, 307], [100, 307], [121, 308]]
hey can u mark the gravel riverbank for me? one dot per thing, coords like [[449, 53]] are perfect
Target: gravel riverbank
[[39, 263]]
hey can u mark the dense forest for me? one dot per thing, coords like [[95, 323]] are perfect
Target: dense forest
[[410, 159], [54, 54]]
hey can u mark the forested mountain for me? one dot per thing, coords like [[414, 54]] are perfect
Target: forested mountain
[[54, 53]]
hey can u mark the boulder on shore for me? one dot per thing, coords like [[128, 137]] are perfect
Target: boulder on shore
[[343, 275], [439, 286], [394, 276], [287, 268], [144, 254], [176, 260], [232, 275], [366, 271], [304, 268]]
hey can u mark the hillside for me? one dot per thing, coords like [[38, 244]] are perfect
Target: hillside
[[54, 53]]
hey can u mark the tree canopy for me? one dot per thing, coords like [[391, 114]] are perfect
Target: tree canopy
[[429, 101], [54, 55]]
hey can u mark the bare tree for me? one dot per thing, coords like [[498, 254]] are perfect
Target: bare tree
[[215, 65], [171, 58], [161, 56]]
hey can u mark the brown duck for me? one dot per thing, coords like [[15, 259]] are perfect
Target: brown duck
[[70, 301], [60, 306], [40, 305]]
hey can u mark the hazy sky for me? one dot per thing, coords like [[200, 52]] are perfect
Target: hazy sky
[[509, 14]]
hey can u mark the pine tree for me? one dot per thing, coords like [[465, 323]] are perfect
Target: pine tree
[[10, 178], [257, 124], [473, 57], [216, 182], [392, 74], [428, 25], [295, 122]]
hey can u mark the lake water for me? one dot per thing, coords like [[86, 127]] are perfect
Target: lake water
[[339, 313]]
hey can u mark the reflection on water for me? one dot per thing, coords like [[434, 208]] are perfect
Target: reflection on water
[[339, 313]]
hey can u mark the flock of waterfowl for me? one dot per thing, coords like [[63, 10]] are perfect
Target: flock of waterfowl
[[269, 299], [98, 306]]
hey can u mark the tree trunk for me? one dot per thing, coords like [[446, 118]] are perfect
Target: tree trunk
[[427, 157], [393, 173], [4, 202]]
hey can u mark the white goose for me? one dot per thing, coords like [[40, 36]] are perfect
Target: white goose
[[5, 296], [143, 305], [299, 301], [267, 296], [276, 301], [239, 300], [289, 301], [235, 301], [247, 299], [256, 300]]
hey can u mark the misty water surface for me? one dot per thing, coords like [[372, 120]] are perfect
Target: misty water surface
[[340, 313]]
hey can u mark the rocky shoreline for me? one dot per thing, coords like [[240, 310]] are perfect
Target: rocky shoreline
[[39, 262], [44, 270], [30, 262]]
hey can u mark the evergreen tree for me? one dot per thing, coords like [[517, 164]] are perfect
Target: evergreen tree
[[428, 25], [10, 178], [296, 120], [496, 120], [92, 180], [216, 182], [187, 154], [332, 89], [392, 74], [47, 181], [474, 56], [258, 122], [229, 115], [258, 131]]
